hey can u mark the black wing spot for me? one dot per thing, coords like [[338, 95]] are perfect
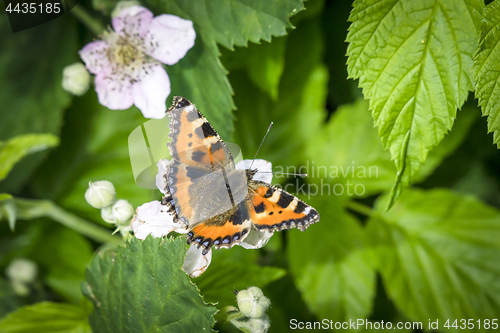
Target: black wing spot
[[182, 103], [194, 173], [190, 144], [271, 213], [204, 131], [301, 207], [284, 200], [269, 193], [260, 208], [192, 116], [190, 135], [197, 155], [239, 216], [215, 147]]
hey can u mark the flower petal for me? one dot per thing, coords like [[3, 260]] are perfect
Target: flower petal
[[113, 93], [154, 218], [264, 169], [160, 176], [169, 38], [133, 21], [151, 92], [195, 262], [256, 239], [95, 57]]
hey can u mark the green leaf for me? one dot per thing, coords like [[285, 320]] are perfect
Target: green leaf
[[63, 255], [264, 64], [141, 287], [331, 263], [200, 76], [30, 82], [16, 148], [9, 300], [60, 253], [33, 99], [47, 317], [235, 22], [439, 255], [347, 152], [234, 270], [8, 209], [487, 69], [465, 119], [414, 62]]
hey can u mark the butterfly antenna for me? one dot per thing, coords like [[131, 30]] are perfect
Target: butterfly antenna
[[285, 173], [265, 136]]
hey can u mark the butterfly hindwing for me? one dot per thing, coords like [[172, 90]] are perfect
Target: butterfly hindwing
[[275, 209], [223, 230]]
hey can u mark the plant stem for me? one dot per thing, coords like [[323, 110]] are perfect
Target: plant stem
[[90, 22], [28, 209], [360, 208]]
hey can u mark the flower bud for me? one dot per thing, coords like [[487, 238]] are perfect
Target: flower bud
[[76, 79], [107, 215], [123, 212], [22, 270], [20, 289], [121, 5], [100, 194], [21, 273], [252, 302]]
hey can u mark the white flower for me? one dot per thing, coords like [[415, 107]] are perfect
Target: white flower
[[100, 194], [195, 262], [161, 182], [256, 239], [128, 61], [155, 219], [264, 169], [76, 79]]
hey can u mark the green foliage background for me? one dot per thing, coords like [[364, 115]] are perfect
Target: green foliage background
[[396, 86]]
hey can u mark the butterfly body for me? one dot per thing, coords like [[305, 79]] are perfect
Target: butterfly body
[[219, 204]]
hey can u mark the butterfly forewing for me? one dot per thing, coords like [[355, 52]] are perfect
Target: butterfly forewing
[[199, 162]]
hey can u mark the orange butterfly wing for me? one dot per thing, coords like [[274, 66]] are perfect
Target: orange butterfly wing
[[275, 209], [197, 151]]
